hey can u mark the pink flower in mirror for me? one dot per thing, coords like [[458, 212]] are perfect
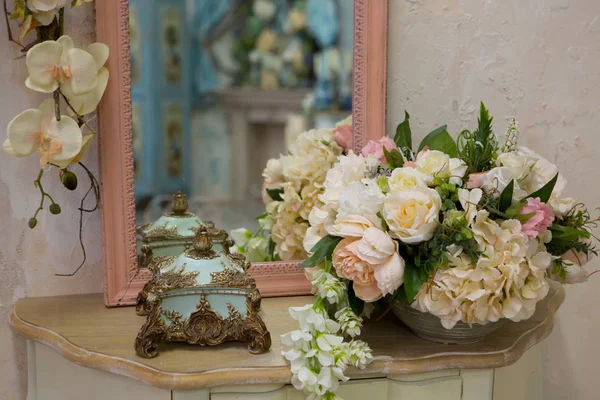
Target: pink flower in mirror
[[375, 148]]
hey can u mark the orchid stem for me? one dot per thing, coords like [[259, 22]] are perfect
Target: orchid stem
[[95, 187], [56, 104], [80, 120], [61, 22], [38, 184]]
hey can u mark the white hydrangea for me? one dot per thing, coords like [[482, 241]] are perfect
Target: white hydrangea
[[507, 283]]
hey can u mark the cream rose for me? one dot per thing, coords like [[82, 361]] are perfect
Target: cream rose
[[434, 163], [353, 226], [406, 178], [413, 215], [372, 263]]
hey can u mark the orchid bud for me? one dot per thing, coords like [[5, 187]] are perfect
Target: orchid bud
[[32, 223], [68, 179], [55, 209]]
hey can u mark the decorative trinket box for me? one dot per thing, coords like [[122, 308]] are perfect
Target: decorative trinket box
[[174, 233], [204, 297]]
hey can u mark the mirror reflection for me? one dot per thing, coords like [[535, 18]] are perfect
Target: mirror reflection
[[219, 87]]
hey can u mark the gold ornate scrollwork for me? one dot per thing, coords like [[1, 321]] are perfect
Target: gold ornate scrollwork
[[232, 278], [168, 280], [205, 327], [151, 334]]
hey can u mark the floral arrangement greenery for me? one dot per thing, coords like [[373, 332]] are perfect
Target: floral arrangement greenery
[[465, 230], [293, 186], [76, 79]]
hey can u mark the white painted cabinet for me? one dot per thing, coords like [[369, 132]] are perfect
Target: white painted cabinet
[[52, 377]]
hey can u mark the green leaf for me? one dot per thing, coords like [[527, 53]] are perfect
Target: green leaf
[[514, 210], [19, 9], [271, 249], [275, 194], [440, 139], [384, 223], [545, 192], [403, 136], [524, 217], [506, 196], [394, 158], [322, 251], [484, 125], [356, 304], [412, 281]]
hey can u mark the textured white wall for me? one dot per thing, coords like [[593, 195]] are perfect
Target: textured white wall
[[30, 258], [540, 62]]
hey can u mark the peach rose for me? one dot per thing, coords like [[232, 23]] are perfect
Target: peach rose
[[372, 263]]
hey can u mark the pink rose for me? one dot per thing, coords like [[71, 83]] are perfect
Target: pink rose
[[476, 180], [372, 263], [540, 221], [375, 148], [343, 136]]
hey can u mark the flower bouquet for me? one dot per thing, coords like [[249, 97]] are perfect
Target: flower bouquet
[[292, 188], [462, 231]]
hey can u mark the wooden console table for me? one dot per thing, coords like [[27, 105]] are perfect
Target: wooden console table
[[77, 349]]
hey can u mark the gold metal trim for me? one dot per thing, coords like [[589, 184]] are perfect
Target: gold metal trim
[[205, 327]]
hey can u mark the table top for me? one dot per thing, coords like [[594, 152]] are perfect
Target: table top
[[82, 330]]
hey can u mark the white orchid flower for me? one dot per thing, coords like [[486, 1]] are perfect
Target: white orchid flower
[[86, 144], [87, 102], [38, 130], [44, 11], [53, 64]]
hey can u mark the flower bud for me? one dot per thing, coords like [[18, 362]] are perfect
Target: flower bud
[[55, 209], [32, 223], [68, 179]]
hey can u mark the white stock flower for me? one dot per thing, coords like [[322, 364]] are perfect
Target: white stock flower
[[38, 130], [406, 178], [53, 64], [329, 288], [360, 354], [308, 318], [412, 216], [350, 323]]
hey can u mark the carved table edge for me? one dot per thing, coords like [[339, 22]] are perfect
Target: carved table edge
[[280, 374]]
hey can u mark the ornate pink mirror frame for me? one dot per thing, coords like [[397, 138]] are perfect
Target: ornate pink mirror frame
[[122, 281]]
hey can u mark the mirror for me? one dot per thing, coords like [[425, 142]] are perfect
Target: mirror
[[220, 87], [179, 113]]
